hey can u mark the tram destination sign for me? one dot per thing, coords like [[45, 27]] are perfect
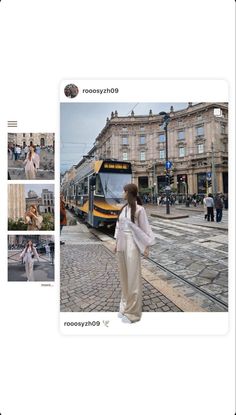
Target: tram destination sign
[[110, 166]]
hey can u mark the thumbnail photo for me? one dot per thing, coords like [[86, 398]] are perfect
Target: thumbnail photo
[[144, 196], [31, 258], [31, 207], [31, 156]]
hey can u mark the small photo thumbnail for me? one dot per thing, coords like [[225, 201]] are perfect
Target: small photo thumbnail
[[31, 258], [31, 156], [31, 207]]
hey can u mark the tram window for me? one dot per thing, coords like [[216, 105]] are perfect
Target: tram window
[[79, 189], [99, 190], [85, 186]]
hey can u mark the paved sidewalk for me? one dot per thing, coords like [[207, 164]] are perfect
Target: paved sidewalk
[[89, 276]]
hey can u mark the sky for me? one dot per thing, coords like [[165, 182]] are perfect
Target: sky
[[82, 122], [37, 188]]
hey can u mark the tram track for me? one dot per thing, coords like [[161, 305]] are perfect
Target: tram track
[[209, 296]]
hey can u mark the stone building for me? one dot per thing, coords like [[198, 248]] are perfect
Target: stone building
[[44, 203], [23, 139], [16, 201], [20, 240], [47, 201], [197, 140], [32, 199]]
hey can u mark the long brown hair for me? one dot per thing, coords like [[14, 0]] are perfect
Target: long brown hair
[[28, 245], [132, 193], [30, 153]]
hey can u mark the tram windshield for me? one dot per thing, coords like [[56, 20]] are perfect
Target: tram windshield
[[113, 184]]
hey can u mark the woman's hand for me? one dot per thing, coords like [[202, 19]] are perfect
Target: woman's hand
[[146, 251]]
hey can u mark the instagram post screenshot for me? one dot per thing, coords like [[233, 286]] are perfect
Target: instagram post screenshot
[[143, 207]]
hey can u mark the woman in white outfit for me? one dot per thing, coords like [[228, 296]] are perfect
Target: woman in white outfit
[[31, 164], [133, 236], [28, 256]]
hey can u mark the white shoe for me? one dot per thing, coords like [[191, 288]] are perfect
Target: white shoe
[[126, 320], [120, 315]]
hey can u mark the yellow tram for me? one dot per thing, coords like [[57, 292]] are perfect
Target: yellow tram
[[95, 194]]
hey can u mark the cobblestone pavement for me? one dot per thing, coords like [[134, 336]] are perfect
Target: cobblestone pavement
[[45, 172], [43, 270], [194, 251], [89, 276]]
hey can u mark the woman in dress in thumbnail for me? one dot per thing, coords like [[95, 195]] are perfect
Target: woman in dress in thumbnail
[[31, 164], [133, 236], [28, 255]]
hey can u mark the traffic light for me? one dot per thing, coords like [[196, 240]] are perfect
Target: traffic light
[[209, 183]]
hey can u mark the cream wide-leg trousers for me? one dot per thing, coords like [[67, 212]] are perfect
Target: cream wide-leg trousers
[[30, 174], [129, 265], [29, 266]]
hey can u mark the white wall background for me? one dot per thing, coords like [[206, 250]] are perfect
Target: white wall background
[[43, 42]]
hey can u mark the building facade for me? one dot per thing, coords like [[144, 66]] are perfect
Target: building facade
[[21, 240], [47, 201], [197, 147], [16, 201], [44, 203], [26, 139]]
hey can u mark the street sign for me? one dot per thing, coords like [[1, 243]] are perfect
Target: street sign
[[208, 175], [168, 164]]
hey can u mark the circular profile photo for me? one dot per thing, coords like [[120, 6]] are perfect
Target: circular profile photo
[[71, 91]]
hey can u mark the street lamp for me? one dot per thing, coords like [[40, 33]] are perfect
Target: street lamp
[[166, 120]]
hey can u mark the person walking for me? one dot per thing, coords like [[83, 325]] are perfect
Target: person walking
[[38, 150], [219, 207], [210, 207], [226, 202], [48, 251], [18, 152], [28, 255], [205, 207], [63, 219], [31, 164], [133, 236], [26, 149]]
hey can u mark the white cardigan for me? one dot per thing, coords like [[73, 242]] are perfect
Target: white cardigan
[[27, 255], [141, 229]]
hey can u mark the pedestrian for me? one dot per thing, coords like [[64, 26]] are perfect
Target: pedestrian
[[205, 207], [26, 149], [18, 152], [133, 236], [63, 219], [226, 202], [38, 150], [194, 200], [219, 207], [210, 207], [48, 251], [28, 255], [31, 162]]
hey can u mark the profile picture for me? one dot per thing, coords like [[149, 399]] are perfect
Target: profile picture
[[71, 91]]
